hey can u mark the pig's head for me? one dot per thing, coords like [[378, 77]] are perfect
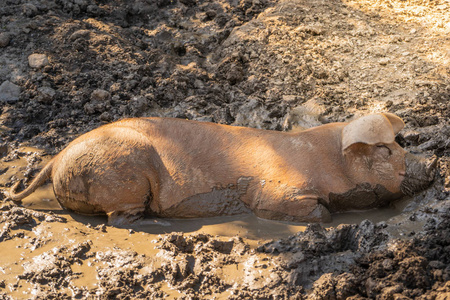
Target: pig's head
[[380, 169]]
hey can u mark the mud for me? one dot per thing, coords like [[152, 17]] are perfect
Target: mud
[[269, 64]]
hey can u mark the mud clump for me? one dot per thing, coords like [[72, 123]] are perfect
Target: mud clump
[[409, 269], [52, 270], [414, 269], [363, 261], [14, 217], [203, 265], [316, 251]]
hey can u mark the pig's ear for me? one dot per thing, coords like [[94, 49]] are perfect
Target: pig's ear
[[372, 130], [396, 122]]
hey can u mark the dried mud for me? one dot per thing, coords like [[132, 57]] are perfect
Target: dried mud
[[269, 64]]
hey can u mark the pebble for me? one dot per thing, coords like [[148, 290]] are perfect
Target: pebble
[[37, 61], [29, 10], [9, 91], [411, 136], [384, 61], [82, 33], [5, 38], [105, 117], [47, 94], [100, 95]]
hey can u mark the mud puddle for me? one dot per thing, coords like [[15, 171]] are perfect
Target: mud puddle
[[165, 257], [247, 226]]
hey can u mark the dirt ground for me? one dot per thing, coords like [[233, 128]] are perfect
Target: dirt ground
[[68, 66]]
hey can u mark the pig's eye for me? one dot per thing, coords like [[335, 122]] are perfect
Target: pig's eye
[[385, 150]]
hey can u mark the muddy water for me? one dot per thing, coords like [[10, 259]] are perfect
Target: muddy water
[[27, 251], [247, 226]]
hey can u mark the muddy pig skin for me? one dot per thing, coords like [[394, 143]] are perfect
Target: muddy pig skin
[[183, 169]]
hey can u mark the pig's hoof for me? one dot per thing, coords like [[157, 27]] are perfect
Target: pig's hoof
[[118, 219]]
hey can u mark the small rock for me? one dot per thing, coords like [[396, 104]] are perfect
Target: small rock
[[428, 83], [428, 121], [115, 87], [93, 10], [100, 95], [5, 38], [384, 61], [105, 117], [139, 104], [435, 264], [235, 74], [89, 108], [47, 94], [9, 92], [399, 296], [211, 14], [30, 10], [388, 264], [82, 33], [412, 136], [208, 16], [37, 61]]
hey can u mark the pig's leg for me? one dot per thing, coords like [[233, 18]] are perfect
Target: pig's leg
[[298, 208], [98, 182], [122, 196]]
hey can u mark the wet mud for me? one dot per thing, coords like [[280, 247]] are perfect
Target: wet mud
[[69, 66]]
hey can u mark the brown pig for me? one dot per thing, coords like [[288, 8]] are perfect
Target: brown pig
[[182, 169]]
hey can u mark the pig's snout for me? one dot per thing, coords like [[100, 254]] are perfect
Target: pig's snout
[[419, 174]]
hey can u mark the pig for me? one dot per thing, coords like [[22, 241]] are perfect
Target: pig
[[174, 168]]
